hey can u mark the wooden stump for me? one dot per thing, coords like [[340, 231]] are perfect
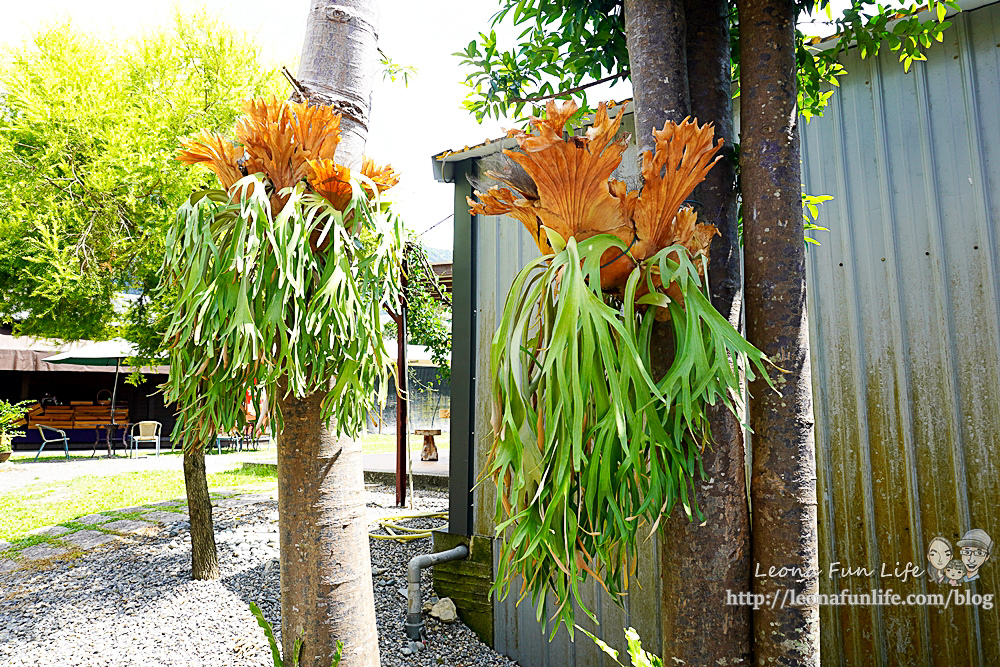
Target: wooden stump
[[430, 450]]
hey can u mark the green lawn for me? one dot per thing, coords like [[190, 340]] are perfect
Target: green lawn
[[45, 504]]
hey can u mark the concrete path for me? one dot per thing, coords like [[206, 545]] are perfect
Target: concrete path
[[15, 475], [387, 463]]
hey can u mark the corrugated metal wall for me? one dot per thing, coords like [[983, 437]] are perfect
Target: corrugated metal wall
[[905, 338]]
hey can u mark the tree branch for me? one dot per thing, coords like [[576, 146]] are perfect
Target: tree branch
[[570, 91]]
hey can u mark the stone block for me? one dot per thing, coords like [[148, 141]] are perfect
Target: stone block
[[92, 519], [128, 526], [42, 551], [88, 539], [165, 517]]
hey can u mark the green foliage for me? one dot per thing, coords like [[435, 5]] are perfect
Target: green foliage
[[10, 415], [259, 310], [88, 180], [394, 71], [568, 44], [427, 317], [637, 656], [810, 214], [296, 650], [587, 445]]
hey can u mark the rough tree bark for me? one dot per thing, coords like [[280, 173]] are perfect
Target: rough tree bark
[[204, 556], [326, 584], [699, 628], [654, 32], [783, 482], [679, 63]]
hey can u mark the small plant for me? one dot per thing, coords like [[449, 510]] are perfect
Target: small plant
[[276, 652], [10, 415], [637, 656]]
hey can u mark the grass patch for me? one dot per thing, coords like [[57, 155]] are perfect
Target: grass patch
[[374, 443], [45, 504]]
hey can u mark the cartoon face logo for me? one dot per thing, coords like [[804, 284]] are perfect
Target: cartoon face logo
[[975, 548], [939, 553], [955, 570]]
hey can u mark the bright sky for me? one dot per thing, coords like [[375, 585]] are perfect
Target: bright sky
[[408, 124]]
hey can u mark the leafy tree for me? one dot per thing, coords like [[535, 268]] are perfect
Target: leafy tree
[[89, 185], [87, 180], [278, 297], [570, 46], [428, 309]]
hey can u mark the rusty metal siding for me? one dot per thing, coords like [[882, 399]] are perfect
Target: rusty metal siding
[[905, 338]]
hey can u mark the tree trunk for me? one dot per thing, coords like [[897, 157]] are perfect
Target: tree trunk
[[654, 32], [699, 628], [783, 482], [679, 63], [326, 584], [338, 67], [204, 557]]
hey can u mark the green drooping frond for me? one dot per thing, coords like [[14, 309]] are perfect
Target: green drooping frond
[[588, 446], [289, 295]]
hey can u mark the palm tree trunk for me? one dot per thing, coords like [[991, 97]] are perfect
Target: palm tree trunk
[[326, 584], [783, 481], [204, 556]]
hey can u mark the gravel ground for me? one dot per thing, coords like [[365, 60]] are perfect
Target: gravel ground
[[133, 603]]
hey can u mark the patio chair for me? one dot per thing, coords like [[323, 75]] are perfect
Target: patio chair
[[227, 440], [148, 432], [54, 435]]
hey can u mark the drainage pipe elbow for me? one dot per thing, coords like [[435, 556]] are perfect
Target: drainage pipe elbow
[[414, 616]]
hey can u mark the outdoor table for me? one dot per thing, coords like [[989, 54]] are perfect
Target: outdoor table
[[110, 431], [430, 451]]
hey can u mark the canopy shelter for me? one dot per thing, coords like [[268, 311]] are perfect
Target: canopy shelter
[[104, 353]]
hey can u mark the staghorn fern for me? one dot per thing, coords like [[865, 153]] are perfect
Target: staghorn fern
[[587, 445]]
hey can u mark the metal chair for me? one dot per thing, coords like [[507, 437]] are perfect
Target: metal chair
[[148, 432], [46, 439]]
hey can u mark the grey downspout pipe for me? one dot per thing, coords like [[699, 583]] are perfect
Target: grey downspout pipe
[[414, 616]]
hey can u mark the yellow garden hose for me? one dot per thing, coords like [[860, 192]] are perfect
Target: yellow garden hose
[[403, 533]]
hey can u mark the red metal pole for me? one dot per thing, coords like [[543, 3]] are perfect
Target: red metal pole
[[401, 399]]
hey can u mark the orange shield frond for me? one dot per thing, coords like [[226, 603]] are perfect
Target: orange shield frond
[[214, 151], [281, 137], [384, 177], [501, 201], [331, 181], [571, 176], [684, 154], [316, 130]]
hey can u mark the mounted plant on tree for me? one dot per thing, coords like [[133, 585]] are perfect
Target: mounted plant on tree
[[588, 446], [281, 280]]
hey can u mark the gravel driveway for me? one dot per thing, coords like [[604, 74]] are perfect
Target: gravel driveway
[[131, 602]]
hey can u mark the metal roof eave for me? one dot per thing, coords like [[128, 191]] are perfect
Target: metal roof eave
[[441, 162]]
